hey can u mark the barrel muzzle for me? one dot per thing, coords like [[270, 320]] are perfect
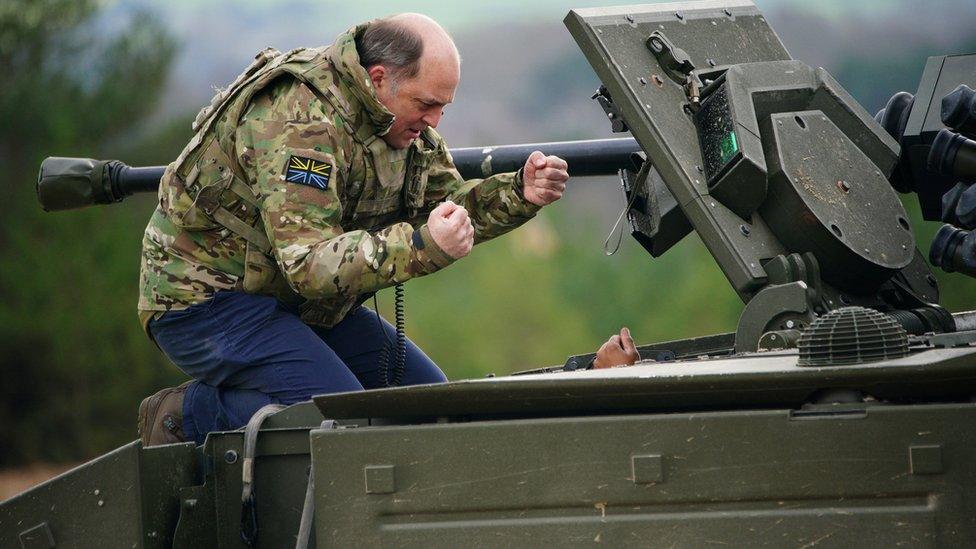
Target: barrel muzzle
[[70, 183]]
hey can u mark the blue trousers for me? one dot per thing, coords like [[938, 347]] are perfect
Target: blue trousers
[[246, 351]]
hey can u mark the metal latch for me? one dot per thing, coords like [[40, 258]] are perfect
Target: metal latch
[[677, 65], [602, 97], [673, 60]]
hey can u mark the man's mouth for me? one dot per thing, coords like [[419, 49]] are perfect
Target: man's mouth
[[412, 133]]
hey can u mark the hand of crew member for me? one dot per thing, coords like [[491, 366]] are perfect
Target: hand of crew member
[[451, 229], [544, 178], [619, 350]]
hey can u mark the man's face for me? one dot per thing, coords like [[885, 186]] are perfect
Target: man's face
[[417, 102]]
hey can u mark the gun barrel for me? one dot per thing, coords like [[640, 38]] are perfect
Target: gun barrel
[[69, 183], [140, 180], [585, 158]]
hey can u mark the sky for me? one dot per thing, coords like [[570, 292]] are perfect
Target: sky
[[510, 39]]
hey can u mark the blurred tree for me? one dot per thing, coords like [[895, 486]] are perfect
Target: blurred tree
[[73, 363]]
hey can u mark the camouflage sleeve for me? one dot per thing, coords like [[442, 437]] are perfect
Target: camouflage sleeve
[[496, 204], [291, 151]]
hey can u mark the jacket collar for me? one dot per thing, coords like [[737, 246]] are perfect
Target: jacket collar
[[345, 59]]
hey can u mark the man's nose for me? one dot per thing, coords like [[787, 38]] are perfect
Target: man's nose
[[433, 119]]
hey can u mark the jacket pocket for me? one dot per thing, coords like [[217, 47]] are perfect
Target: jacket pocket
[[260, 271]]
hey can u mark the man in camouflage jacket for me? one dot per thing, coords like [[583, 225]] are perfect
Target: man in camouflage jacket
[[315, 179]]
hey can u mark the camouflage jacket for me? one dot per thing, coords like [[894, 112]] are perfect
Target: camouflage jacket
[[287, 190]]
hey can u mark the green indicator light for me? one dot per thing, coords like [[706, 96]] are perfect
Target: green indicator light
[[729, 147]]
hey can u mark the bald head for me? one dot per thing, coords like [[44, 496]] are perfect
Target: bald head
[[405, 42], [437, 44]]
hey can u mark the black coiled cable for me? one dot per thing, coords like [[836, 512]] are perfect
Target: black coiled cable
[[400, 345]]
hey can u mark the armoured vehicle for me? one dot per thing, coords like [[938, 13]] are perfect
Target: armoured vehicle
[[840, 412]]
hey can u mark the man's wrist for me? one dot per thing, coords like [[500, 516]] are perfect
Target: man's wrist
[[424, 243], [518, 185]]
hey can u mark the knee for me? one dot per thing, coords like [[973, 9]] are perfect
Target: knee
[[424, 372]]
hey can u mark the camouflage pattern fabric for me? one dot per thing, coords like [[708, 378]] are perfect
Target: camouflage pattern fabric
[[323, 211]]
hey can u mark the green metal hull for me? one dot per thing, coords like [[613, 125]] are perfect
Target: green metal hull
[[634, 456]]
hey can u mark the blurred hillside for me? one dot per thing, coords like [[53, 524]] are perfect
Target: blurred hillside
[[516, 53], [123, 82]]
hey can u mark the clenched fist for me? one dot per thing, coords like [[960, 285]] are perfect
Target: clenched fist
[[619, 350], [451, 229], [544, 178]]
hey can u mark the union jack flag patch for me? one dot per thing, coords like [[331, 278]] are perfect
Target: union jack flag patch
[[306, 171]]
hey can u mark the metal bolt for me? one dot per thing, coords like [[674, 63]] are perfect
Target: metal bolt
[[679, 15], [230, 456], [630, 18], [711, 62], [790, 324], [728, 12], [656, 44], [101, 503], [744, 229], [643, 81], [844, 186], [97, 491], [658, 81], [700, 170], [610, 115]]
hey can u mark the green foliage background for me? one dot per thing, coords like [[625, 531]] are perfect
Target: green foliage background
[[72, 360], [74, 363]]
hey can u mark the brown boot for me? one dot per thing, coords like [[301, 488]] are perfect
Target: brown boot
[[161, 417]]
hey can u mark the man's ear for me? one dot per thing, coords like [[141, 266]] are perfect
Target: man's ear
[[378, 75]]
